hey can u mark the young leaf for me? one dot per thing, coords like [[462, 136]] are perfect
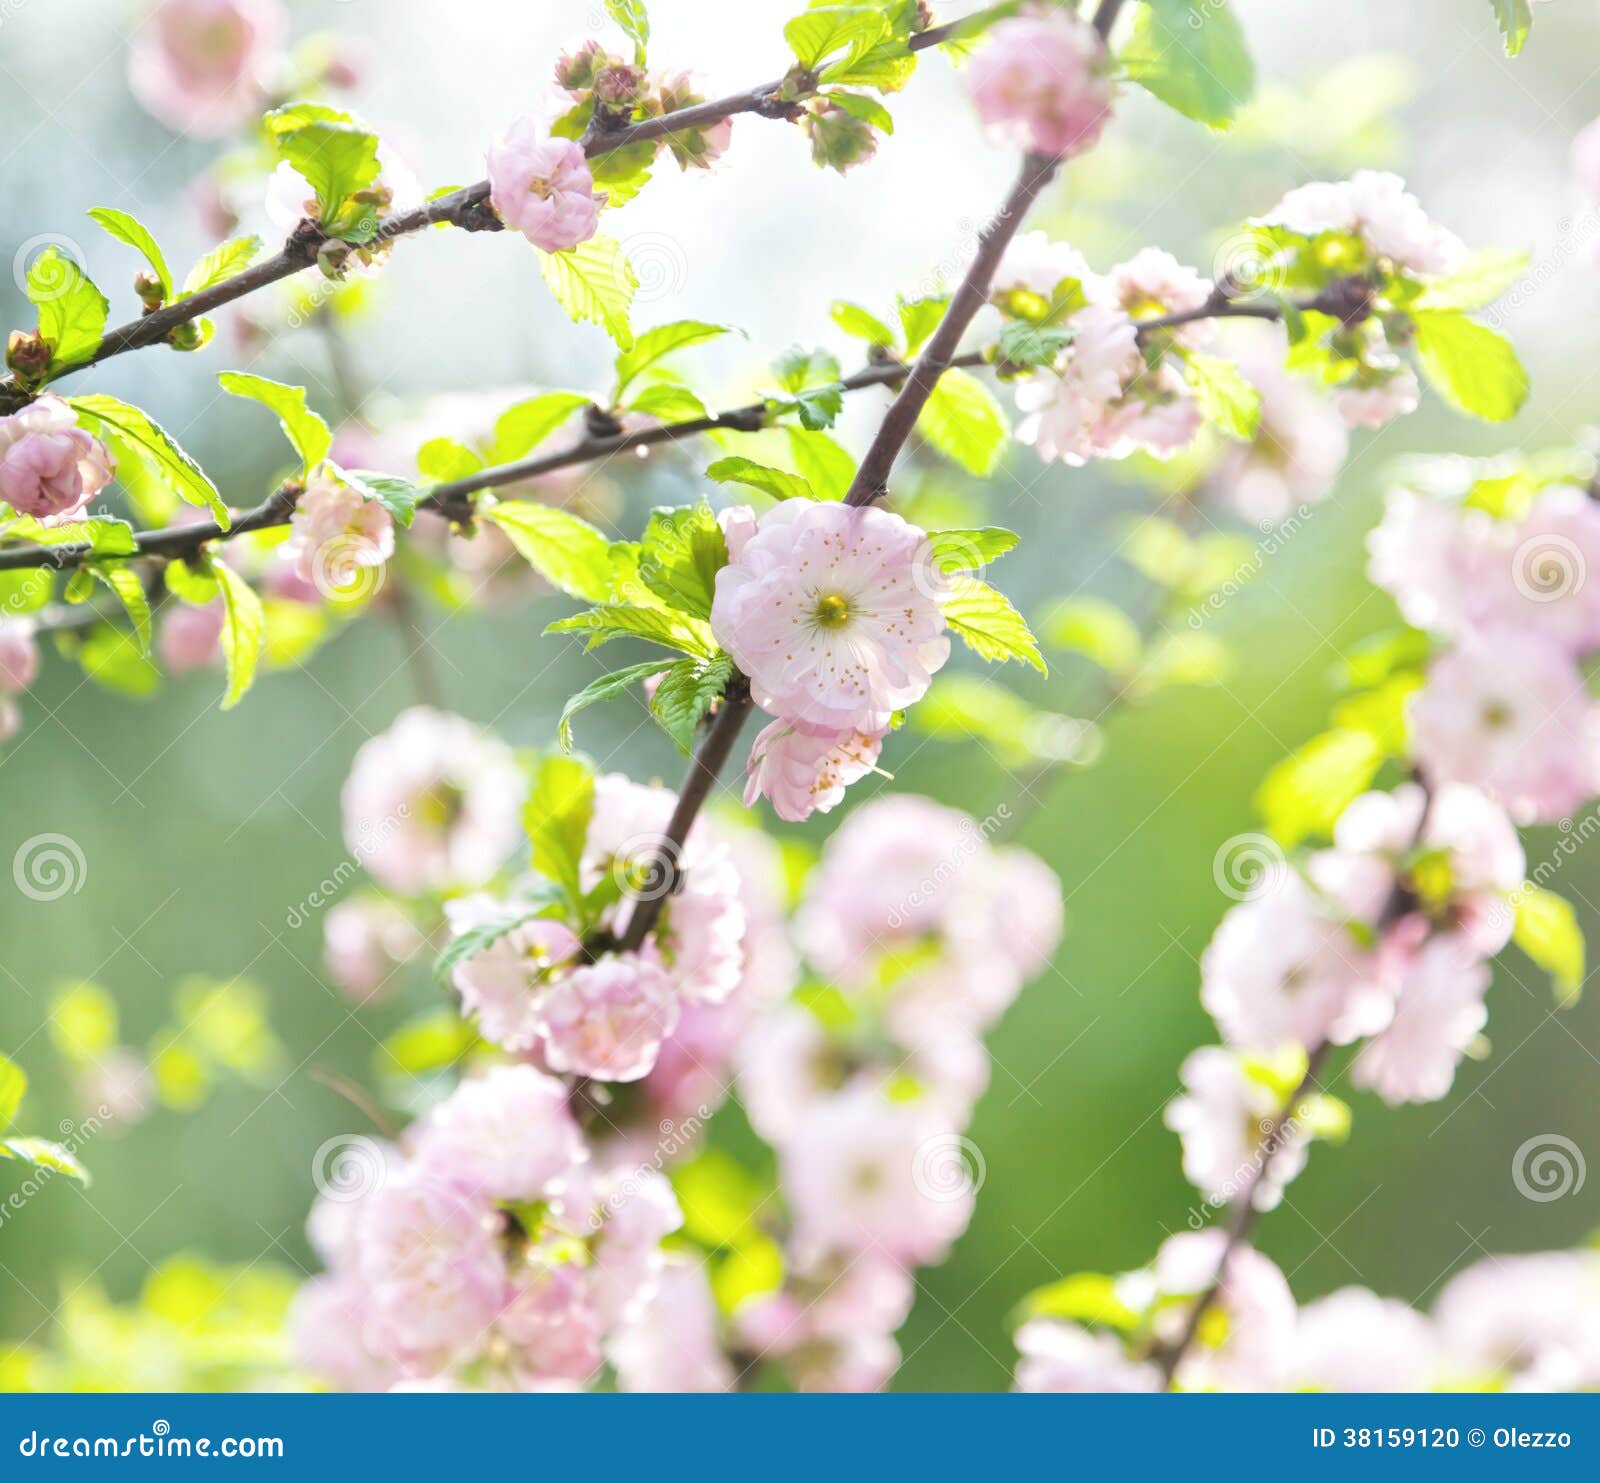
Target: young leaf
[[398, 496], [130, 229], [920, 318], [524, 425], [593, 281], [662, 340], [244, 628], [854, 320], [465, 945], [221, 263], [965, 423], [630, 16], [629, 621], [775, 482], [136, 438], [868, 110], [129, 590], [556, 818], [1305, 793], [686, 693], [607, 687], [986, 623], [102, 535], [569, 553], [669, 402], [1547, 930], [1478, 281], [1515, 19], [826, 466], [43, 1154], [968, 550], [1191, 54], [828, 29], [1227, 400], [13, 1086], [819, 406], [444, 460], [1470, 366], [336, 157], [798, 368], [680, 554], [110, 656], [305, 430], [1097, 629], [72, 311]]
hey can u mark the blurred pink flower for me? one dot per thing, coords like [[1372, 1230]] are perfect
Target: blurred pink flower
[[1043, 82], [203, 66]]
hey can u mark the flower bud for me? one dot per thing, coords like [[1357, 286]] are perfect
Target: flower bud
[[188, 336], [576, 70], [28, 354], [837, 138], [148, 287], [619, 85], [333, 257]]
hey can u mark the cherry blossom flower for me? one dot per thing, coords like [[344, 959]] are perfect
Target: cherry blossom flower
[[1153, 282], [1377, 403], [673, 1344], [1354, 1341], [1375, 206], [502, 985], [432, 803], [1254, 1349], [1036, 264], [1043, 82], [541, 187], [190, 635], [1063, 407], [550, 1323], [336, 535], [50, 467], [832, 614], [607, 1019], [203, 66], [801, 773], [1059, 1358], [363, 942], [1531, 1322]]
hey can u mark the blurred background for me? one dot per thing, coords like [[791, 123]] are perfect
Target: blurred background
[[203, 833]]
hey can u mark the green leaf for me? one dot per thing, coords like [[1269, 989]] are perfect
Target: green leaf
[[1022, 343], [593, 281], [191, 584], [629, 621], [135, 437], [630, 16], [607, 687], [654, 344], [986, 623], [524, 425], [680, 554], [819, 406], [868, 110], [337, 157], [968, 550], [1479, 281], [961, 707], [1227, 400], [103, 536], [1515, 19], [129, 590], [854, 320], [826, 30], [1470, 366], [686, 693], [110, 656], [473, 941], [569, 553], [398, 496], [826, 466], [445, 460], [130, 229], [426, 1042], [798, 368], [669, 402], [13, 1086], [1097, 629], [72, 311], [920, 318], [1084, 1297], [309, 435], [1191, 54], [1304, 794], [43, 1154], [221, 263], [1184, 659], [965, 423], [775, 482], [244, 629], [1547, 930], [557, 819]]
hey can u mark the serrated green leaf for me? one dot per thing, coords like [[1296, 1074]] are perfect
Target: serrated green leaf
[[569, 553], [1191, 54], [822, 462], [13, 1087], [337, 157], [445, 460], [593, 281], [775, 482], [607, 687], [968, 550], [819, 406], [662, 340], [131, 230], [1546, 929], [826, 30], [984, 620], [1470, 366], [556, 818], [134, 436], [854, 320], [103, 535], [42, 1153], [244, 630], [1227, 400], [798, 369], [398, 496], [629, 621], [680, 554], [965, 423], [1479, 281], [72, 311], [919, 318], [1097, 629], [526, 424], [686, 693], [1515, 19], [221, 263], [868, 110], [124, 583], [669, 402], [630, 16], [307, 433]]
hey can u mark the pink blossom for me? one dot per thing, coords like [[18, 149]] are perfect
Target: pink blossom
[[432, 802], [19, 655], [1378, 404], [1353, 1340], [634, 1210], [801, 773], [50, 467], [1036, 265], [1223, 1117], [118, 1085], [1279, 971], [1156, 414], [1375, 206], [673, 1346], [607, 1019], [832, 614], [786, 1069], [1059, 1358], [1530, 1322], [1543, 571], [550, 1323], [1063, 407], [503, 984], [1043, 83], [1507, 711], [203, 66], [337, 534], [1429, 554], [10, 719], [506, 1135], [363, 942], [541, 187], [190, 635], [327, 1320], [1153, 282], [1254, 1349]]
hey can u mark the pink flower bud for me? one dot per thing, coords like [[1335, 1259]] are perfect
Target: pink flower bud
[[542, 187], [49, 466]]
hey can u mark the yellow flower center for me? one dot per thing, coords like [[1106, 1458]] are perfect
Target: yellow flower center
[[833, 611]]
